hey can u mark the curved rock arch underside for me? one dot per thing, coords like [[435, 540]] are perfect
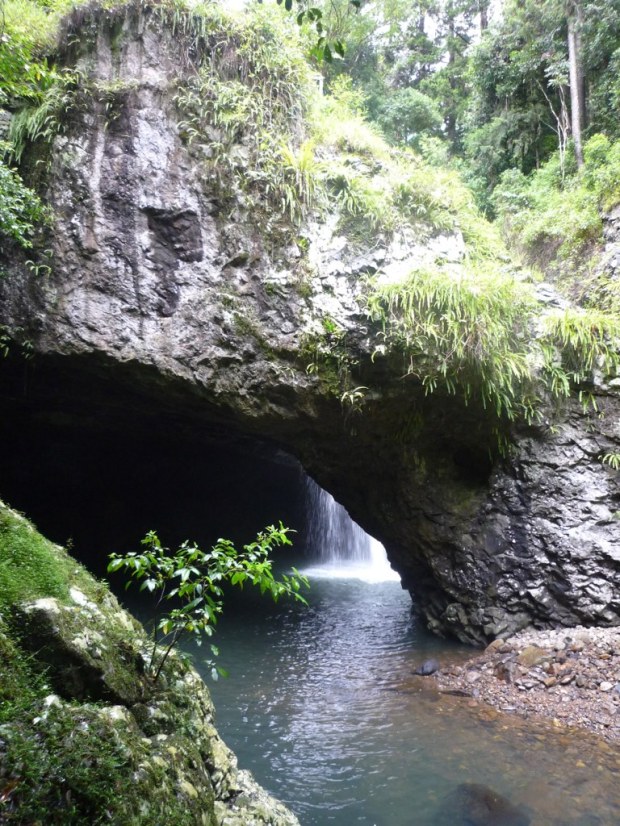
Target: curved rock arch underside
[[164, 302]]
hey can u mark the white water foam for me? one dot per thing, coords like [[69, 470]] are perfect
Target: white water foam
[[343, 548]]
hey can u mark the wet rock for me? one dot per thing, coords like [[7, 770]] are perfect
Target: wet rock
[[427, 668], [472, 804], [473, 676], [494, 646], [532, 655], [506, 671], [579, 687]]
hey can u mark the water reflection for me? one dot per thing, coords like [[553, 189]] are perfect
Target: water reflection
[[322, 706]]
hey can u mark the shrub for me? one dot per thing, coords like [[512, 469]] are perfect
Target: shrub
[[20, 208], [407, 115], [554, 216], [194, 580]]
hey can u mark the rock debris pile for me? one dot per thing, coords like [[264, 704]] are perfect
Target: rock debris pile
[[570, 676]]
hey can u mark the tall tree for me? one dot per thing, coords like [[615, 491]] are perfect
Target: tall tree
[[576, 74]]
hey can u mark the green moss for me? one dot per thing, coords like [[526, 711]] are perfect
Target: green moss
[[70, 771], [20, 685], [64, 762], [30, 566], [73, 764]]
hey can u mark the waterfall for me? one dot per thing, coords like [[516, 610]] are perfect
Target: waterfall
[[341, 547]]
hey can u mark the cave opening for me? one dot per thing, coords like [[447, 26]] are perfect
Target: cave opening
[[96, 466], [98, 492]]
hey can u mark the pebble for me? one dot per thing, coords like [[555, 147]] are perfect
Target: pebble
[[556, 675]]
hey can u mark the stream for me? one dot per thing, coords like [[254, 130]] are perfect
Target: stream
[[321, 705]]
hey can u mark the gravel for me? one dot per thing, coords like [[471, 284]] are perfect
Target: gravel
[[569, 676]]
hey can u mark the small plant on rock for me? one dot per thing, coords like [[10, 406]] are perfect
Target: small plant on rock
[[194, 580]]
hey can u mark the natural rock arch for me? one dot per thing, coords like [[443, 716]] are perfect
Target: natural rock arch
[[162, 301]]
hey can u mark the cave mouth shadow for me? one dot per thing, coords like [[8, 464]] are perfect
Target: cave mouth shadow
[[98, 489]]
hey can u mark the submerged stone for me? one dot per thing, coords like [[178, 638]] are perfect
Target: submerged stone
[[427, 668], [472, 804]]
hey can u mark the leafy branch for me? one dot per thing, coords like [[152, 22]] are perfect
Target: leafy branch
[[323, 49], [611, 459], [194, 579]]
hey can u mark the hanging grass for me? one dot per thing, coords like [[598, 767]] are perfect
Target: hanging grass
[[576, 343], [461, 331], [247, 106], [469, 331]]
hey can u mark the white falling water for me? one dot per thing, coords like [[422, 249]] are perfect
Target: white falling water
[[342, 548]]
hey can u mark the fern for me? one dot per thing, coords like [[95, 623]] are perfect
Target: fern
[[462, 331]]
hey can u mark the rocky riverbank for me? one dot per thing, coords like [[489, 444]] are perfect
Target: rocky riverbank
[[570, 677]]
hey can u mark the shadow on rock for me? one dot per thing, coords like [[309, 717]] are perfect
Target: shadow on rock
[[472, 804]]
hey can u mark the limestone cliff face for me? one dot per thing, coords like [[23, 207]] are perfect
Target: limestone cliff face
[[162, 299]]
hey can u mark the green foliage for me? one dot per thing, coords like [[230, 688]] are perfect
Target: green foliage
[[611, 459], [194, 580], [576, 343], [467, 331], [407, 115], [44, 118], [518, 112], [601, 173], [380, 189], [27, 36], [21, 209], [555, 218], [245, 106], [328, 356], [26, 79], [462, 330]]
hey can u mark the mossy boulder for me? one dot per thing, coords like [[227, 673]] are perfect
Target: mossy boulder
[[85, 735]]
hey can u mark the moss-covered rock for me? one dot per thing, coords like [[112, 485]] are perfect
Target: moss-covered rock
[[85, 736]]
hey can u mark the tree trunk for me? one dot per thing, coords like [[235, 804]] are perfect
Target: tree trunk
[[576, 79], [451, 117], [483, 7]]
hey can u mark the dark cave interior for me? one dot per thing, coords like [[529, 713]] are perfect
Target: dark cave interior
[[98, 482]]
